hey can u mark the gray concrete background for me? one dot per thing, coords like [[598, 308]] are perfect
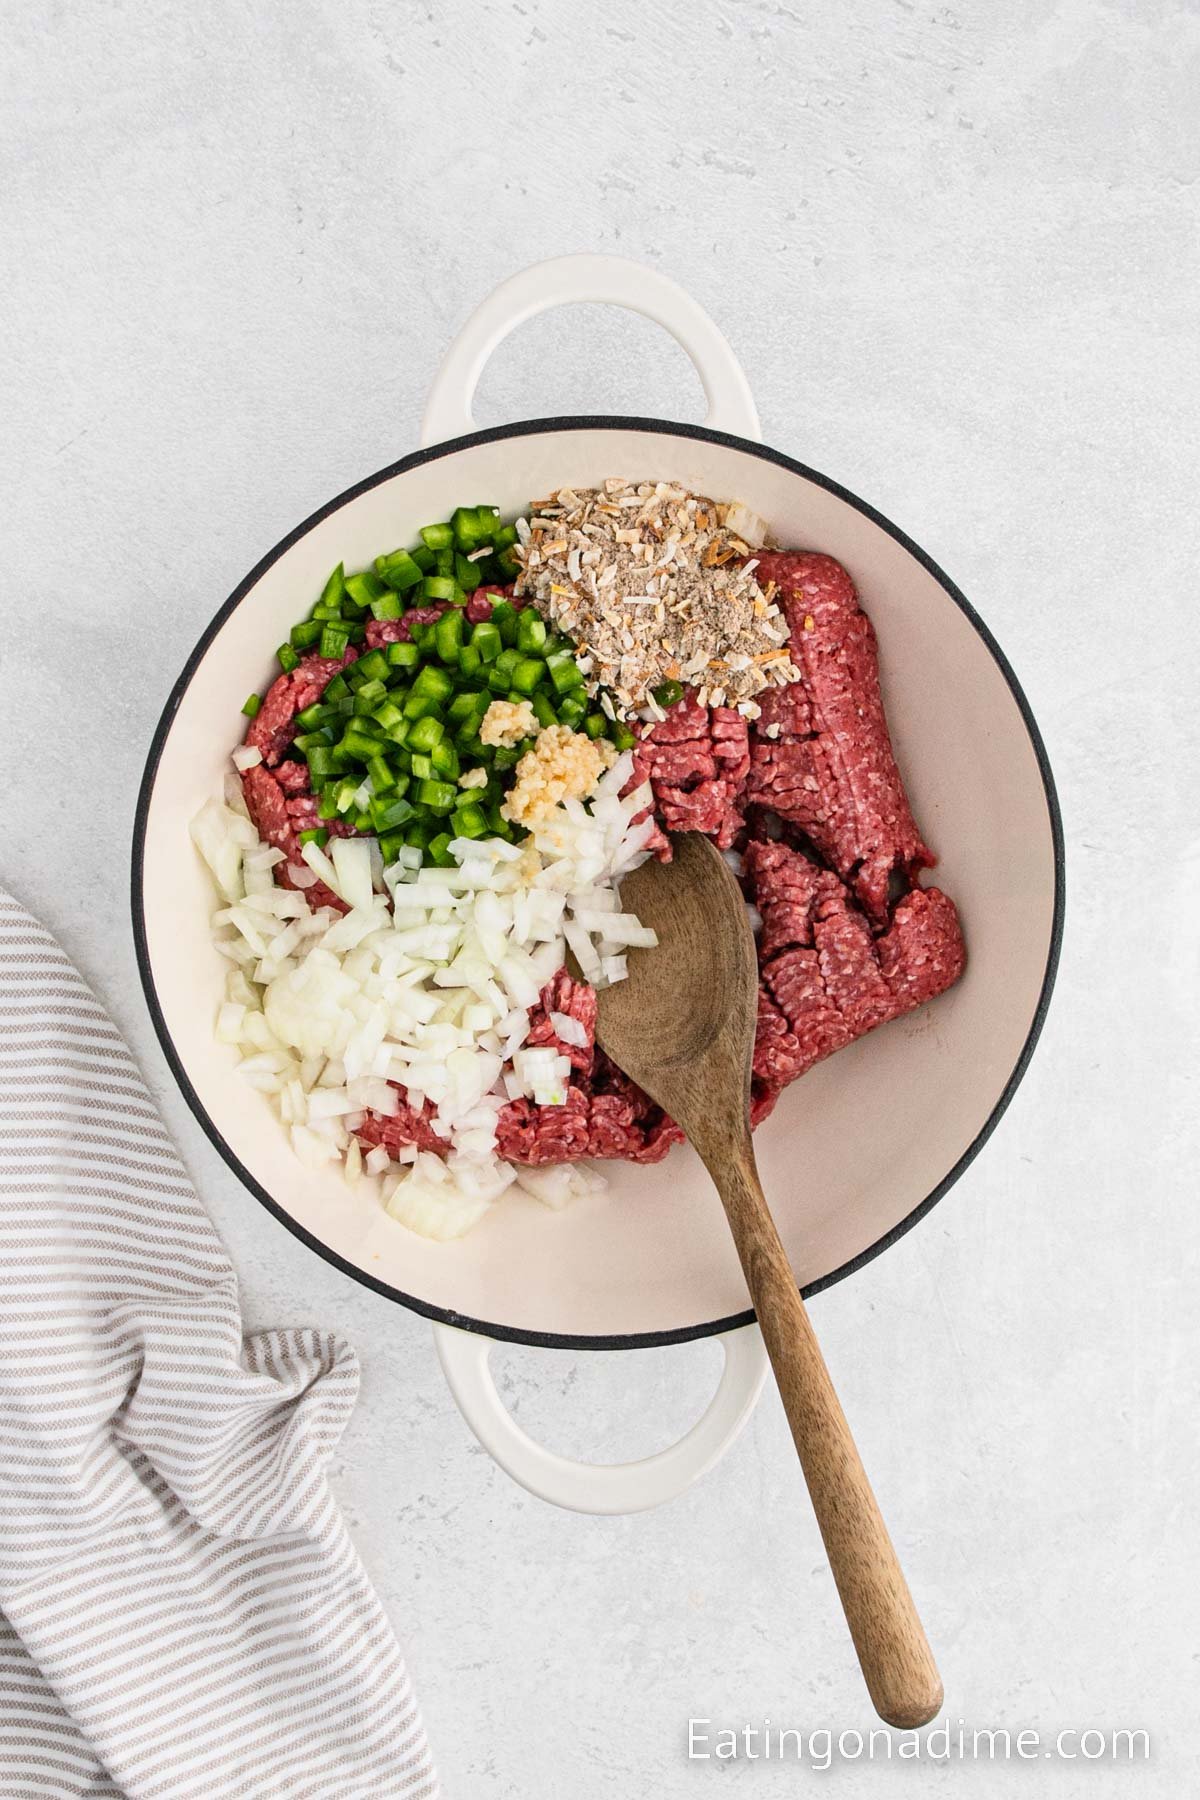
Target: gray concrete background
[[955, 246]]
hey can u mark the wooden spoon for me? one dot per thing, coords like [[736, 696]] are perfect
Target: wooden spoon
[[682, 1026]]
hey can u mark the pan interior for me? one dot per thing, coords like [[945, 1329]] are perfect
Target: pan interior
[[854, 1148]]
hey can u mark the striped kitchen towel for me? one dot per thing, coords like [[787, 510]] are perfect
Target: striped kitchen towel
[[182, 1613]]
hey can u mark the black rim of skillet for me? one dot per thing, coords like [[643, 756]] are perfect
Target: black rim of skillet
[[527, 428]]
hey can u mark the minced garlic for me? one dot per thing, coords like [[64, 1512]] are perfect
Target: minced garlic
[[562, 765], [507, 722]]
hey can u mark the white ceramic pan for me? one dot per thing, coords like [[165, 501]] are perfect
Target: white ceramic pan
[[857, 1151]]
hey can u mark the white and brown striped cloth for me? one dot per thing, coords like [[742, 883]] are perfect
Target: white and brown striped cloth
[[182, 1613]]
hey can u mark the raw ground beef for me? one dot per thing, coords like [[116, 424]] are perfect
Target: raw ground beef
[[277, 792], [274, 725], [575, 1000], [477, 610], [411, 1125], [606, 1114], [819, 756], [830, 769], [825, 977], [809, 793], [281, 809], [697, 761], [607, 1117]]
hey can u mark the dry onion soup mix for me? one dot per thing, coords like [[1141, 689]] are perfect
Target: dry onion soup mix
[[466, 747]]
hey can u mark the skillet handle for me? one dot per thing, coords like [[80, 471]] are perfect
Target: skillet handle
[[610, 281], [602, 1487]]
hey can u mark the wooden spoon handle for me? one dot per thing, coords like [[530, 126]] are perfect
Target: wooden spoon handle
[[896, 1660]]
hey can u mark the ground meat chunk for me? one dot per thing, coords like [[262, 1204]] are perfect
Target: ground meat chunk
[[796, 984], [277, 791], [787, 889], [481, 602], [792, 777], [778, 1058], [696, 760], [731, 743], [790, 708], [293, 777], [533, 1135], [685, 721], [399, 631], [619, 1104], [578, 1001], [410, 1125], [273, 727], [279, 818], [267, 803], [923, 953], [826, 979], [677, 765], [830, 768], [762, 1101], [302, 811], [619, 1123], [605, 1115], [850, 971]]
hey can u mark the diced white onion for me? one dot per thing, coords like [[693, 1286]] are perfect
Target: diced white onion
[[351, 858], [571, 1031], [321, 866], [557, 1184], [230, 1022]]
